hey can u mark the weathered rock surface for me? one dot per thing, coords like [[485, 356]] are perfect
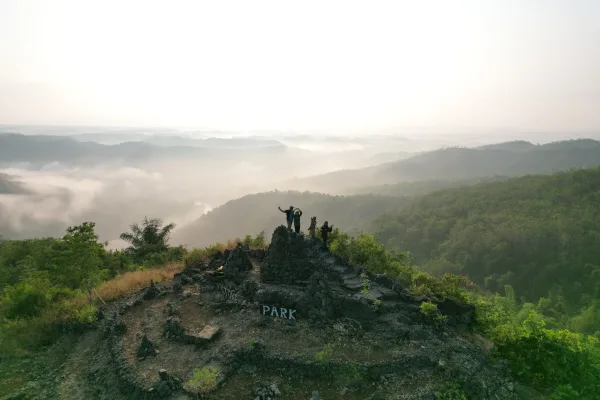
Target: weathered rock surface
[[146, 349], [288, 259], [237, 265]]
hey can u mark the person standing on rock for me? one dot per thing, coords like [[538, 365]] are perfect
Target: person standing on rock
[[325, 230], [289, 215], [297, 215], [313, 227]]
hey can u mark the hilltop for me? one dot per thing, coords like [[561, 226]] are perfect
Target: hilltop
[[281, 323], [258, 212]]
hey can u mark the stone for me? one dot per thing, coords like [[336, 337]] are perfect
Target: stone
[[152, 292], [162, 374], [185, 279], [119, 327], [177, 288], [146, 349], [173, 328], [209, 333], [290, 258], [238, 265]]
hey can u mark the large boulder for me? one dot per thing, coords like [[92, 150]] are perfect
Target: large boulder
[[289, 258], [237, 265]]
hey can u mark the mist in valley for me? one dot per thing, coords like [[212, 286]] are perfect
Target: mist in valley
[[118, 191], [178, 177]]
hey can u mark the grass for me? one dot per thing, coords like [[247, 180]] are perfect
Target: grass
[[200, 255], [21, 336], [131, 282]]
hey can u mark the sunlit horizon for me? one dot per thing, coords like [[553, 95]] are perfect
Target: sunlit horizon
[[319, 66]]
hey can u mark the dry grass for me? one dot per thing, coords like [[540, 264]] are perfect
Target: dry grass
[[132, 281], [200, 255]]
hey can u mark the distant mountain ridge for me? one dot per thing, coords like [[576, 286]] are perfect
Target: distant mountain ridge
[[47, 148], [460, 163]]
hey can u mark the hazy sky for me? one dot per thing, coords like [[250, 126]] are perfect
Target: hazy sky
[[523, 64]]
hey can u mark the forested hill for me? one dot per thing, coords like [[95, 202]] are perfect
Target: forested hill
[[503, 159], [420, 188], [536, 233], [8, 185], [254, 213]]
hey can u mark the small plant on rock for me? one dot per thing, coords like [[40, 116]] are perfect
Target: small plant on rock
[[324, 355], [450, 391], [204, 379], [430, 310], [287, 388], [366, 284]]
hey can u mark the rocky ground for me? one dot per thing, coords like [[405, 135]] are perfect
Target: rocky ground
[[282, 324]]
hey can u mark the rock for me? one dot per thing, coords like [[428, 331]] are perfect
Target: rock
[[249, 288], [238, 265], [146, 349], [206, 335], [162, 374], [177, 288], [151, 292], [171, 309], [119, 327], [290, 258], [173, 328], [274, 390]]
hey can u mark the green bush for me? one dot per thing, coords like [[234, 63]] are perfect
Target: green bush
[[430, 310], [324, 355], [450, 391], [204, 380], [550, 358]]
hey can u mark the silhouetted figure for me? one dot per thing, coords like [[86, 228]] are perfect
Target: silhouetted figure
[[312, 228], [325, 229], [297, 215], [289, 215]]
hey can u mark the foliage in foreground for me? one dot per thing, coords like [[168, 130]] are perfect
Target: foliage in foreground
[[558, 362], [540, 234], [51, 285]]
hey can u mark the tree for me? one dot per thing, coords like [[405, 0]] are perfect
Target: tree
[[78, 257], [151, 237]]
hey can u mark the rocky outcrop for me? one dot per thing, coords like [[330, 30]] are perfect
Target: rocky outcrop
[[152, 291], [333, 302], [146, 349], [237, 265], [290, 258]]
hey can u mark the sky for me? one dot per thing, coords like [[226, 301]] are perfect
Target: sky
[[531, 65]]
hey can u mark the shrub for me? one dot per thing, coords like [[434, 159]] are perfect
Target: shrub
[[204, 379], [324, 355], [450, 391], [431, 312], [550, 358]]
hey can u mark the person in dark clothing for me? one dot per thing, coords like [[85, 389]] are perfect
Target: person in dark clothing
[[325, 230], [313, 227], [297, 215], [289, 215]]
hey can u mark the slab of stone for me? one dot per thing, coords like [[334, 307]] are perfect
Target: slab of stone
[[354, 283], [209, 333]]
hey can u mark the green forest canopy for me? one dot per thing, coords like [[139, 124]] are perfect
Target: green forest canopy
[[539, 234]]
